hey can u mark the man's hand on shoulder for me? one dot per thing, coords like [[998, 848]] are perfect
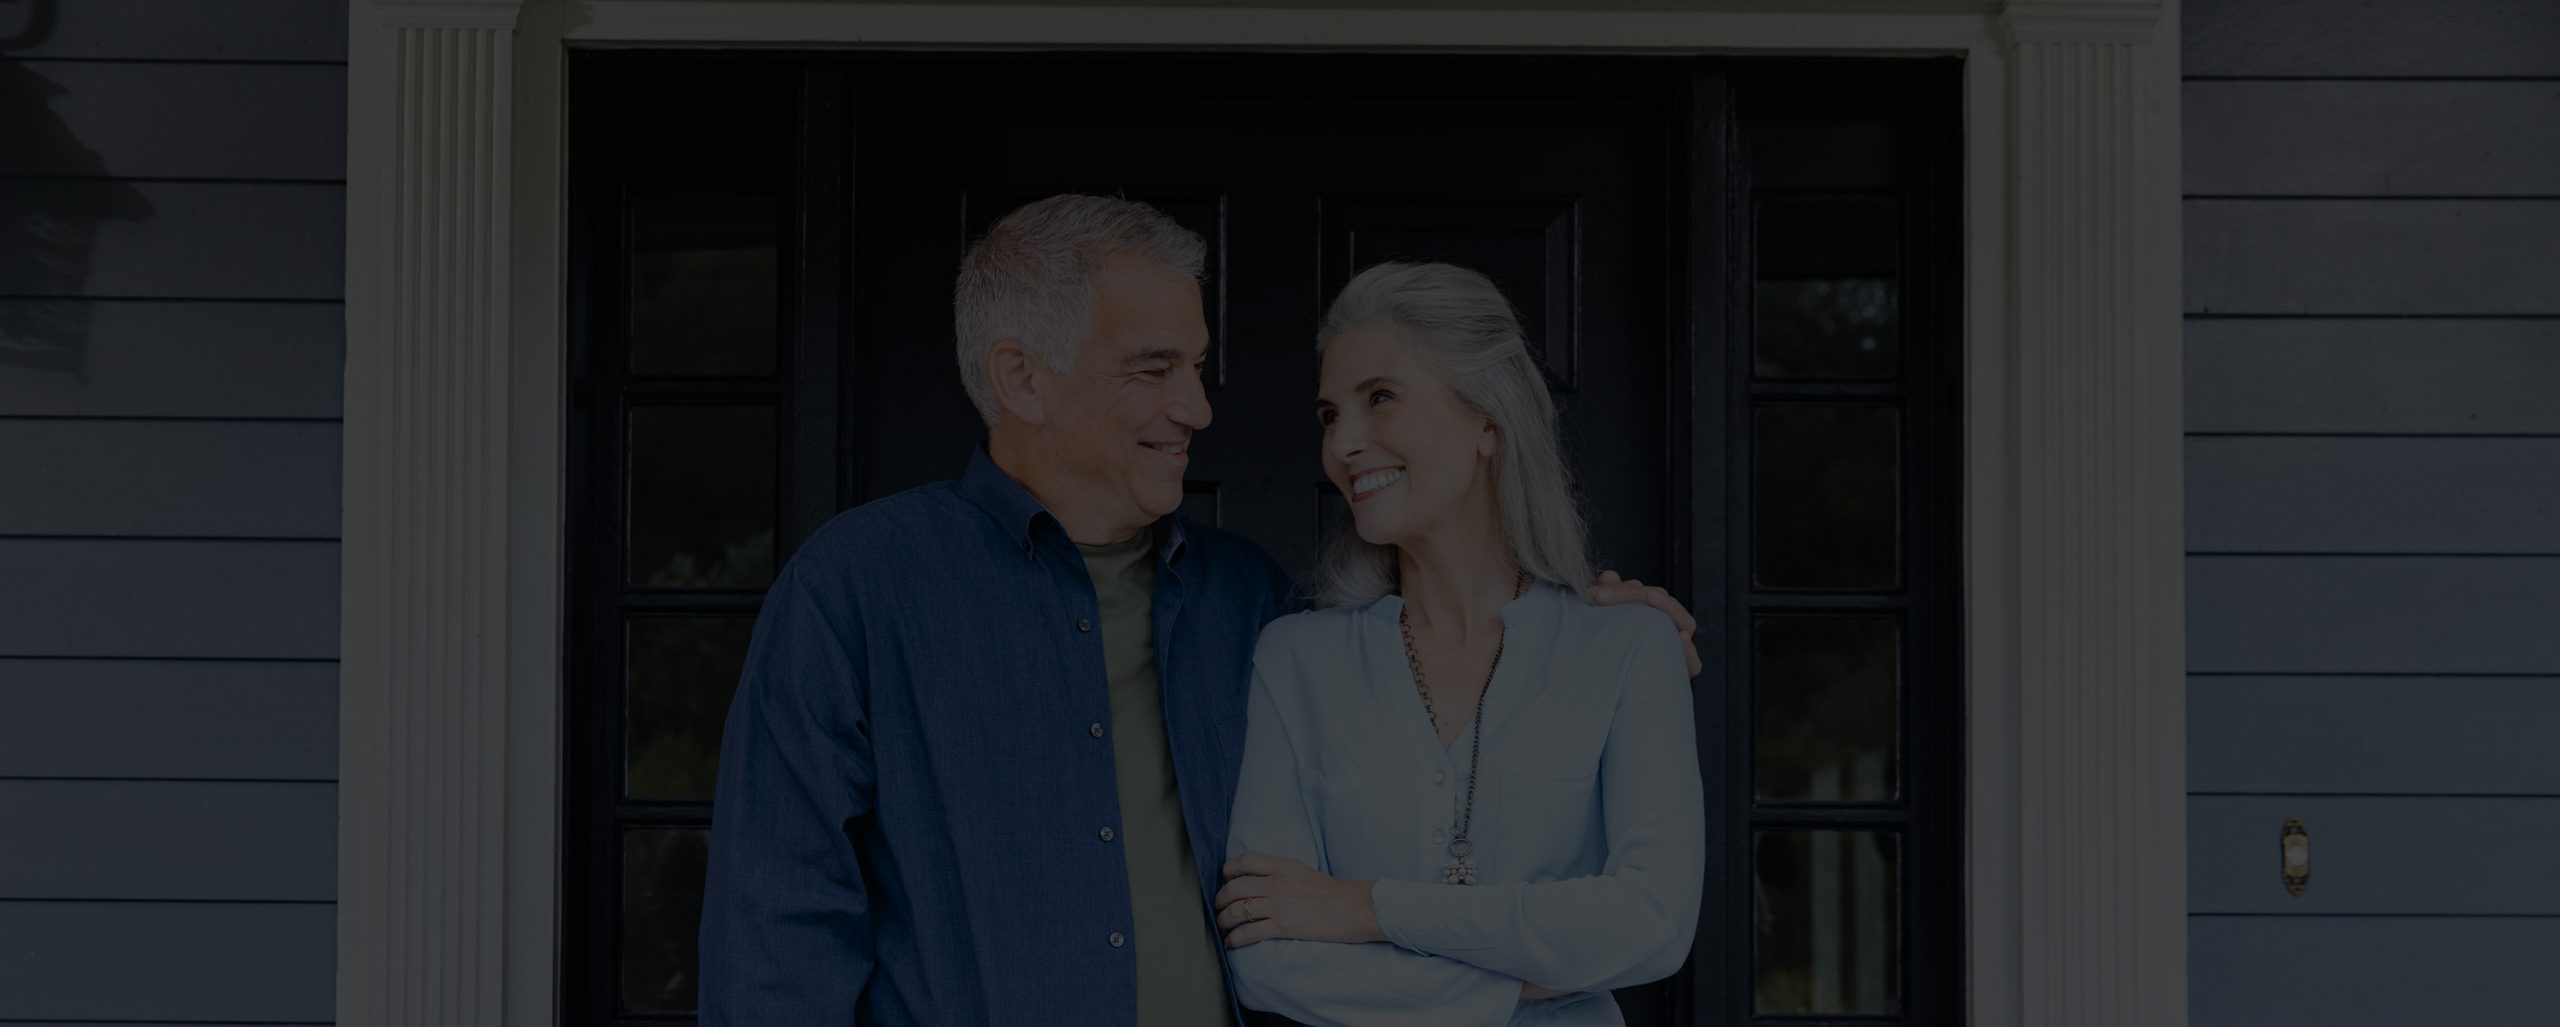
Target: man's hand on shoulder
[[1610, 590]]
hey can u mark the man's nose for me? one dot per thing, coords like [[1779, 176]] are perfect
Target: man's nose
[[1191, 408]]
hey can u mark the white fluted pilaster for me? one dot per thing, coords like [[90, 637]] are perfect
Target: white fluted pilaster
[[422, 720], [2100, 669]]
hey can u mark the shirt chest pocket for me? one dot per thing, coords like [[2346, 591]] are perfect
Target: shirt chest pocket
[[1547, 816], [1541, 784], [1362, 830]]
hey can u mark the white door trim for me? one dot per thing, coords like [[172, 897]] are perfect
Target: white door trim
[[451, 600]]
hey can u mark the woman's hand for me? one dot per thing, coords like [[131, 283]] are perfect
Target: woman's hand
[[1268, 897]]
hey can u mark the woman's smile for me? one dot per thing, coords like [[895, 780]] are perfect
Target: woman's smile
[[1367, 483]]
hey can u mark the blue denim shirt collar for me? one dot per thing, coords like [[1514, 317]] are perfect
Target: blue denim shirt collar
[[992, 490]]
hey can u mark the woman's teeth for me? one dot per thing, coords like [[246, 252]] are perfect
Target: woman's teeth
[[1375, 480]]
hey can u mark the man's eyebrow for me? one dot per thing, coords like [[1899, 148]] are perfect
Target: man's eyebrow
[[1154, 356]]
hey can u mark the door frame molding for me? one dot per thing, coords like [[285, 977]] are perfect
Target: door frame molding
[[451, 593]]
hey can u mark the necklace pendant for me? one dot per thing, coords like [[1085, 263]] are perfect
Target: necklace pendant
[[1461, 867], [1458, 871]]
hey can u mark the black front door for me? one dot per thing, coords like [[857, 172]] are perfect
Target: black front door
[[1297, 174]]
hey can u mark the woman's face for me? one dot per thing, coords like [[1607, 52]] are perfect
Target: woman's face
[[1397, 441]]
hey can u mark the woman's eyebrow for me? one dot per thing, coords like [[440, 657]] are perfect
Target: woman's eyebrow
[[1364, 386]]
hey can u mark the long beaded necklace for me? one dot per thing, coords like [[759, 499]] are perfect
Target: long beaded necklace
[[1461, 866]]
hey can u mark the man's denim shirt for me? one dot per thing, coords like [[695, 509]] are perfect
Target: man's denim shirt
[[916, 772]]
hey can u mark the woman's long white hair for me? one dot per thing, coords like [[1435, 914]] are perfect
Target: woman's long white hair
[[1458, 322]]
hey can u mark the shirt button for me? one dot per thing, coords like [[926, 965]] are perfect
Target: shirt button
[[1439, 777], [1084, 624], [1094, 729], [1438, 836], [1117, 940], [1106, 834]]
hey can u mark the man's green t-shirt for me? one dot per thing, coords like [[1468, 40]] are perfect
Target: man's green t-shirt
[[1179, 977]]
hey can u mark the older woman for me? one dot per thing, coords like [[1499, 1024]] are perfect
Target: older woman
[[1469, 795]]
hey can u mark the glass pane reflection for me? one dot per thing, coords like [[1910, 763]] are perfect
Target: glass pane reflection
[[682, 671], [1823, 715], [705, 296], [1825, 484], [1827, 300], [702, 496], [1825, 933], [661, 915]]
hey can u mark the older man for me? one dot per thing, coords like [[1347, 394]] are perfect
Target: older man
[[988, 728]]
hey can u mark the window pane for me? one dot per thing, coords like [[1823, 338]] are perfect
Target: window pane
[[1825, 482], [1827, 299], [1824, 923], [661, 915], [704, 292], [702, 497], [682, 671], [1823, 719]]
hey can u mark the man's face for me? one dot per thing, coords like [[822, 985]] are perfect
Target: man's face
[[1121, 420]]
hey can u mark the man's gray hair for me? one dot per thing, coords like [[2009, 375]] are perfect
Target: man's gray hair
[[1458, 322], [1031, 279]]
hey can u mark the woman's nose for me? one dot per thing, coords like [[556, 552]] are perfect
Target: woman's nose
[[1345, 440]]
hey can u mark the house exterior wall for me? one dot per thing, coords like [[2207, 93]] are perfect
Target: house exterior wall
[[2372, 282], [171, 342], [2373, 230]]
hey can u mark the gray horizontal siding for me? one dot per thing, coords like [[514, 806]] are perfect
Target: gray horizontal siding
[[148, 120], [2353, 971], [2362, 256], [169, 719], [151, 359], [171, 242], [2373, 138], [193, 840], [2315, 734], [2373, 614], [165, 598], [188, 962], [2350, 375], [216, 30], [181, 240], [2472, 856], [2373, 495], [2370, 38], [245, 479], [2372, 272]]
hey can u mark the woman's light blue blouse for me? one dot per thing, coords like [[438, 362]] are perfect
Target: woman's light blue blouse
[[1589, 823]]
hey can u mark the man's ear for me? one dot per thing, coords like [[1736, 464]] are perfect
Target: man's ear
[[1017, 385]]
